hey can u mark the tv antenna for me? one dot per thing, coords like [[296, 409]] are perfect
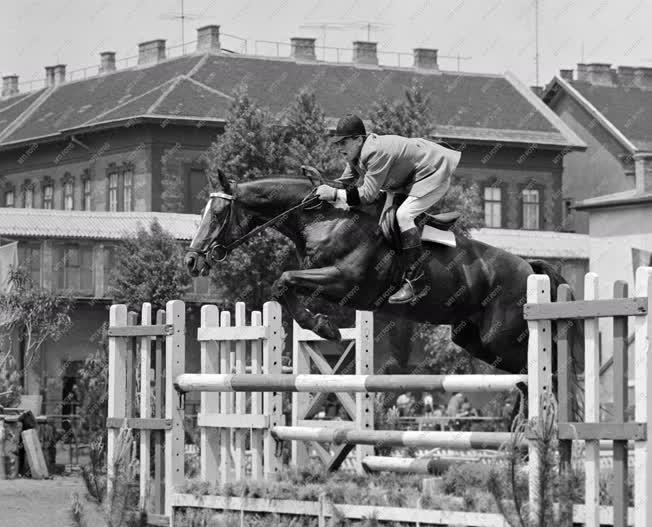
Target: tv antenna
[[182, 16]]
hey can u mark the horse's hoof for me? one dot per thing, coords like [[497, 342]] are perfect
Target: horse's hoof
[[325, 328]]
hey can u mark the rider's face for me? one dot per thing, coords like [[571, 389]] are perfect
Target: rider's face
[[350, 148]]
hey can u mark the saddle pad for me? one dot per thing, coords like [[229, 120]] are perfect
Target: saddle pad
[[431, 234]]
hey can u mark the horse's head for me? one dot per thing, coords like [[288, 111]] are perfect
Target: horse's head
[[222, 222]]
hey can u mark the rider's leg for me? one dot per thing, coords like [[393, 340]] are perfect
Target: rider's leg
[[414, 277]]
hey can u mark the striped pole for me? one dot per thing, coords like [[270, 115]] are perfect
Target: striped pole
[[452, 440], [192, 382], [404, 465]]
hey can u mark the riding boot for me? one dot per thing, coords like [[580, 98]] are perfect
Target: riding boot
[[414, 277]]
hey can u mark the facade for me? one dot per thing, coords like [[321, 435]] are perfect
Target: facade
[[127, 144]]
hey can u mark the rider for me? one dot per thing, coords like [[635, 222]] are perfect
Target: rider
[[416, 167]]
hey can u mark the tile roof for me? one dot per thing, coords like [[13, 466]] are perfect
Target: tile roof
[[464, 105], [41, 223], [627, 108]]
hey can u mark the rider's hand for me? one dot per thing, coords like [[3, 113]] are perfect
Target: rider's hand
[[326, 193]]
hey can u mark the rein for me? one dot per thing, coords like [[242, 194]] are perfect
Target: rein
[[310, 200]]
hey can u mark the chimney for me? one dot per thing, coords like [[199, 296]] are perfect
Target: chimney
[[582, 72], [208, 38], [626, 75], [9, 85], [49, 76], [600, 74], [303, 48], [567, 75], [643, 78], [107, 61], [364, 52], [425, 59], [151, 52], [643, 172], [59, 74]]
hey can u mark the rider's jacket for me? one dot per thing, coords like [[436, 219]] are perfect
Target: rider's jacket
[[397, 164]]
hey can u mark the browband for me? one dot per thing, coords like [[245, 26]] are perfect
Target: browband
[[221, 195]]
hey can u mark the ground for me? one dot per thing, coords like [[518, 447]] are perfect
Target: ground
[[43, 503]]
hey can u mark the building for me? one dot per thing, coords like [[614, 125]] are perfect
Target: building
[[128, 143]]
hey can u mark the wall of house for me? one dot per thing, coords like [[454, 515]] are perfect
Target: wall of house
[[515, 169], [597, 171]]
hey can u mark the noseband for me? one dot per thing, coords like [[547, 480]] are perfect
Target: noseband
[[217, 252]]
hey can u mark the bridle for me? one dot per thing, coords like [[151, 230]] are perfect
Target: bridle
[[217, 252]]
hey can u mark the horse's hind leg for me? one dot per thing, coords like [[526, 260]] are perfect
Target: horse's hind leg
[[325, 280]]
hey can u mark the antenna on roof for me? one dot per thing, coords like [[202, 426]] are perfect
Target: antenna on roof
[[181, 16], [345, 26]]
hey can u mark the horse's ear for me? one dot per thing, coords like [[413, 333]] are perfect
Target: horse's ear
[[224, 182]]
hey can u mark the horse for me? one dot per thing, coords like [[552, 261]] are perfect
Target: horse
[[478, 289]]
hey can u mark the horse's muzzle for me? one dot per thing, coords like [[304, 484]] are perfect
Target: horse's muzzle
[[196, 264]]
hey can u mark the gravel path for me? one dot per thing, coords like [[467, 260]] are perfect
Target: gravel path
[[43, 503]]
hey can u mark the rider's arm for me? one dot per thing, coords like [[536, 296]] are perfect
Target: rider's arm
[[378, 166]]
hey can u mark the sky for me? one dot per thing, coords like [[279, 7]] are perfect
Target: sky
[[496, 35]]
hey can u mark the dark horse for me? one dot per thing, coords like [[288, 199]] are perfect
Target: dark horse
[[478, 289]]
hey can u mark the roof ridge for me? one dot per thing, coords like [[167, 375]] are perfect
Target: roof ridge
[[208, 88], [175, 81], [601, 117], [11, 128], [126, 102], [571, 137]]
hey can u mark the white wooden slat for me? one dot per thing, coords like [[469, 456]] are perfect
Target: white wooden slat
[[257, 403], [240, 397], [145, 403], [226, 406], [364, 365], [209, 440], [272, 402], [300, 401]]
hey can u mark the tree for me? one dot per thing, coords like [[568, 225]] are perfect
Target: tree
[[149, 268], [409, 117], [30, 316], [306, 136]]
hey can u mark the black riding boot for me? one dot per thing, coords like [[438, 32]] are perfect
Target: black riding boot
[[413, 278]]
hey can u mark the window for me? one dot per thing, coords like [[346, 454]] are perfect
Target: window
[[492, 207], [29, 255], [68, 189], [9, 198], [28, 197], [113, 191], [86, 190], [127, 194], [531, 208], [74, 268], [48, 195]]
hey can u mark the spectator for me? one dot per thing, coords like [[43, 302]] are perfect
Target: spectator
[[403, 404], [454, 404], [427, 404]]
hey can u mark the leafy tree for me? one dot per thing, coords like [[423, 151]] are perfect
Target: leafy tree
[[306, 136], [31, 315], [149, 268], [409, 117]]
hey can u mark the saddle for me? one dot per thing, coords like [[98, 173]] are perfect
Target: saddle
[[435, 227]]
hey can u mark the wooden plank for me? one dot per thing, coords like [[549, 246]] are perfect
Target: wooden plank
[[604, 431], [301, 402], [272, 402], [643, 402], [240, 398], [233, 421], [158, 492], [132, 318], [209, 439], [158, 330], [539, 386], [592, 404], [233, 333], [605, 515], [364, 365], [226, 407], [117, 387], [34, 453], [305, 335], [138, 423], [256, 401], [175, 364], [145, 405], [338, 457], [620, 377], [319, 423], [565, 400], [578, 309]]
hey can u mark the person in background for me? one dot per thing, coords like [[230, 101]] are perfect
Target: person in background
[[403, 404], [454, 404], [427, 404]]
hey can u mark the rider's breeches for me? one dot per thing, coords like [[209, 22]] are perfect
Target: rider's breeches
[[413, 206]]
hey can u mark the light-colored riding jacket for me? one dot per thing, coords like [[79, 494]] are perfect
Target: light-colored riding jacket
[[397, 164]]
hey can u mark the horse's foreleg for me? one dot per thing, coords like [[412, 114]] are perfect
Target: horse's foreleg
[[324, 280]]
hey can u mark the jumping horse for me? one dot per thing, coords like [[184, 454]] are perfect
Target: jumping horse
[[478, 289]]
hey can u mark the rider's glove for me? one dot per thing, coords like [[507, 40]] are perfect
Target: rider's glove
[[326, 193]]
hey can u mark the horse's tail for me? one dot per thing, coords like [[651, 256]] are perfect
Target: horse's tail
[[574, 331]]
